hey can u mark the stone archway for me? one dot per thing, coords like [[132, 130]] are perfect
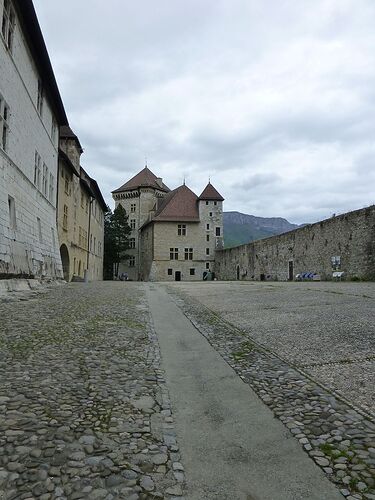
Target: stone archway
[[65, 261]]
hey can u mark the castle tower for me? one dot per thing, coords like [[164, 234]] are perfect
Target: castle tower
[[211, 216], [139, 197]]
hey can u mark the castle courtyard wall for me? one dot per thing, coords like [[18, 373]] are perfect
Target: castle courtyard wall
[[350, 236]]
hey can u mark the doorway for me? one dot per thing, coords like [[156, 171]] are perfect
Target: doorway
[[65, 261], [238, 272], [177, 276], [291, 270]]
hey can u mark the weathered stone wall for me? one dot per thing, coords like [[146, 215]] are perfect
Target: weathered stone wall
[[350, 236], [28, 247]]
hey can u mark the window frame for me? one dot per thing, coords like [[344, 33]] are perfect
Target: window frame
[[173, 253], [189, 253], [8, 23], [181, 230], [132, 261], [65, 218], [4, 124]]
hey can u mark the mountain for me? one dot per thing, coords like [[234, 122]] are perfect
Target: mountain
[[242, 228]]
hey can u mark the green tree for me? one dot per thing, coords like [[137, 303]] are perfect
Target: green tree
[[116, 240]]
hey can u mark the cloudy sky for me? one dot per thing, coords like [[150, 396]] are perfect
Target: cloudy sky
[[274, 99]]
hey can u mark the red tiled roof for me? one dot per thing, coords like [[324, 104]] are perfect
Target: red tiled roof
[[144, 178], [178, 205], [210, 193]]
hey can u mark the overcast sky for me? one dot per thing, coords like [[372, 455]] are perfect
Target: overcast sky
[[274, 99]]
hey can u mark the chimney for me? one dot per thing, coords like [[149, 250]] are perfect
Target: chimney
[[159, 181]]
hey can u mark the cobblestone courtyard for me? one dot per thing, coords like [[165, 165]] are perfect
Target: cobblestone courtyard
[[84, 406], [325, 329], [83, 409]]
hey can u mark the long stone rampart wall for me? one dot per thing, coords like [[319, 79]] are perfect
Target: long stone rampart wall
[[350, 238]]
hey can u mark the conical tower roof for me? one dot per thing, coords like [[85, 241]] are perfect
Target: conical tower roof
[[210, 193]]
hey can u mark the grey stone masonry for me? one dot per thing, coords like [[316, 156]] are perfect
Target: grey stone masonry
[[349, 239]]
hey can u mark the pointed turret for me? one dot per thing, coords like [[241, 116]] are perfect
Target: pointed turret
[[209, 193]]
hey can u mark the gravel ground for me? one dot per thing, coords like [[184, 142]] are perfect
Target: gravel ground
[[326, 329], [84, 412]]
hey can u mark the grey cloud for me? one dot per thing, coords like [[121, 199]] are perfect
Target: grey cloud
[[280, 94]]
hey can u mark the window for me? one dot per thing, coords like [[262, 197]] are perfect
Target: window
[[207, 265], [132, 243], [207, 251], [188, 254], [181, 230], [131, 261], [170, 272], [82, 200], [207, 237], [39, 100], [67, 183], [133, 207], [45, 180], [51, 188], [173, 253], [12, 212], [206, 202], [7, 25], [215, 203], [132, 223], [207, 227], [210, 214], [53, 238], [192, 272], [65, 218], [39, 229], [37, 169], [53, 129], [4, 124], [218, 231]]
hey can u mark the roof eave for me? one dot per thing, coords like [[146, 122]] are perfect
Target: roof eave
[[34, 37]]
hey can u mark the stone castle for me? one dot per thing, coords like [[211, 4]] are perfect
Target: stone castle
[[175, 234]]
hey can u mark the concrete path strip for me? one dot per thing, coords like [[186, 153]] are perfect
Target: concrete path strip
[[232, 447]]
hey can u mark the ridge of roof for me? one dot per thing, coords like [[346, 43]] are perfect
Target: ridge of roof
[[210, 193], [144, 178]]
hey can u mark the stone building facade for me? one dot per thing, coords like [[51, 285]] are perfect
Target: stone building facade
[[80, 214], [175, 234], [345, 243], [31, 112]]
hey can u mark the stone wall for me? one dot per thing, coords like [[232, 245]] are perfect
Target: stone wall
[[350, 236], [28, 241]]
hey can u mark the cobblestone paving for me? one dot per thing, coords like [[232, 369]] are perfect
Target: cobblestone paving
[[325, 329], [84, 412], [338, 438]]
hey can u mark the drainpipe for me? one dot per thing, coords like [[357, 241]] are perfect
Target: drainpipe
[[88, 244], [139, 233]]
